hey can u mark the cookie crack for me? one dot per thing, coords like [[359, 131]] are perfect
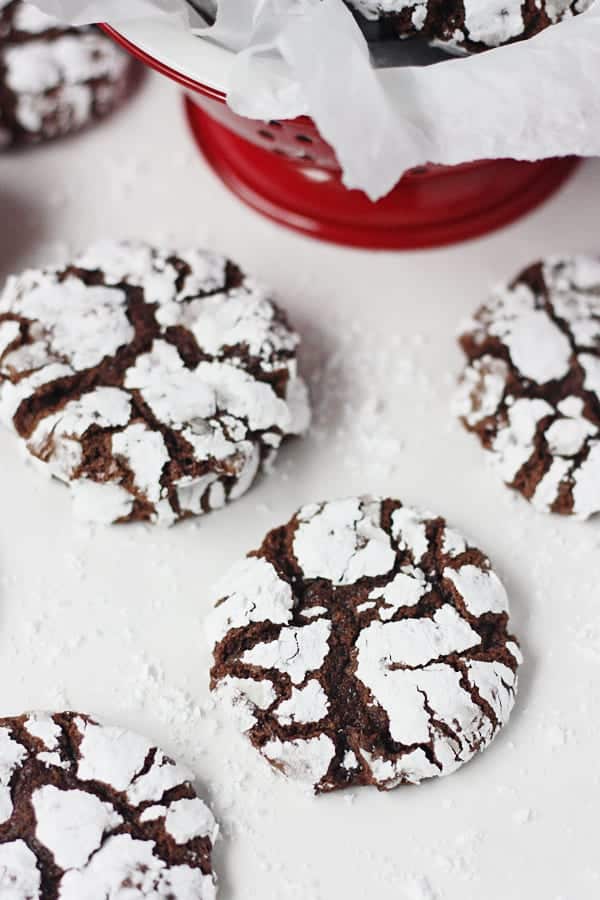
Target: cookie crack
[[435, 723]]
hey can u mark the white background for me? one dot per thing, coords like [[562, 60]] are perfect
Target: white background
[[109, 621]]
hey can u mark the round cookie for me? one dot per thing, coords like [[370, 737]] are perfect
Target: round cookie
[[93, 811], [473, 25], [53, 79], [531, 387], [364, 643], [156, 384]]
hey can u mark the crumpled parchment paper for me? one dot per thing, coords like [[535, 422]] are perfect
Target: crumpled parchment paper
[[529, 100]]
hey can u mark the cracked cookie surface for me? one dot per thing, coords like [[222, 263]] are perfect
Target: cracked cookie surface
[[54, 79], [531, 388], [364, 643], [156, 384], [90, 811], [470, 26]]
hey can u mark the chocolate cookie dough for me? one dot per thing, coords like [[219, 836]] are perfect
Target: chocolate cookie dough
[[531, 388], [365, 643], [89, 811], [470, 25], [54, 79], [156, 384]]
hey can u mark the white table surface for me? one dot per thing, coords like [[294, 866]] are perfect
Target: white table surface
[[109, 621]]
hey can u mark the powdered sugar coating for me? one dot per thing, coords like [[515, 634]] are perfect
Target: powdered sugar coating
[[471, 25], [11, 755], [19, 875], [531, 389], [29, 19], [103, 835], [71, 824], [124, 867], [55, 79], [399, 672], [156, 384], [341, 544], [297, 651]]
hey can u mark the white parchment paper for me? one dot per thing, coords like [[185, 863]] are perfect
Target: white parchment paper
[[529, 100]]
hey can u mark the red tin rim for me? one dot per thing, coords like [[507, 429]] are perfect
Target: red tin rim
[[154, 63], [549, 175]]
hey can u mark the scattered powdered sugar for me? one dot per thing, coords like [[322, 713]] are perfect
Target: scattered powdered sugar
[[353, 420], [586, 491], [169, 697], [523, 816], [417, 887]]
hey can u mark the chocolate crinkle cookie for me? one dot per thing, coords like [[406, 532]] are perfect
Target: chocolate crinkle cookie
[[531, 388], [90, 811], [155, 384], [365, 643], [54, 79], [470, 26]]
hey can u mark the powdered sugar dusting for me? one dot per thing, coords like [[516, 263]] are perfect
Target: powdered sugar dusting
[[482, 591], [122, 859], [306, 760], [71, 824], [254, 593], [296, 651], [19, 875], [11, 754], [341, 542], [81, 324], [188, 819]]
